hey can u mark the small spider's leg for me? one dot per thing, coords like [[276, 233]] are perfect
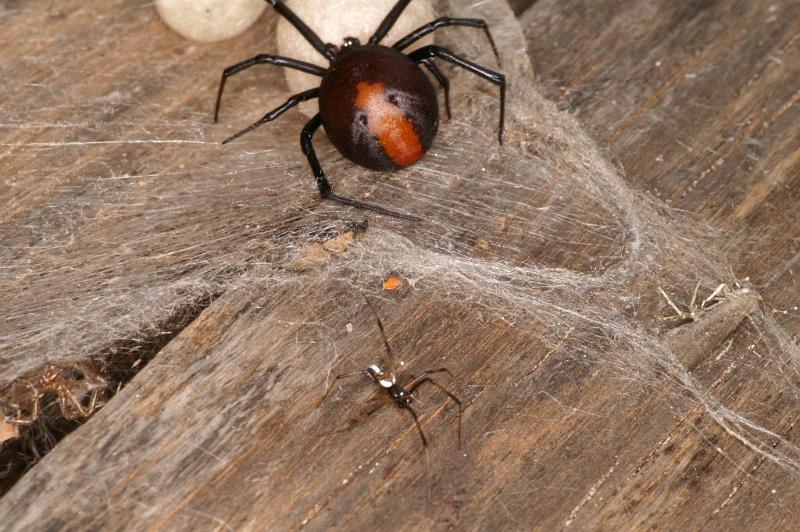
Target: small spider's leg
[[335, 379], [79, 410], [425, 377], [19, 420], [414, 384], [37, 406], [309, 35], [389, 353], [443, 81], [444, 22], [93, 402], [37, 399], [416, 422], [483, 72], [713, 297], [325, 189], [694, 295], [372, 405], [276, 60], [389, 21], [278, 111], [681, 314]]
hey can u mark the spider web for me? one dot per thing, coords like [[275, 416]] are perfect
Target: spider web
[[136, 152]]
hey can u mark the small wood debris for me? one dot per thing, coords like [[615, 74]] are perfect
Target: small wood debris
[[319, 253]]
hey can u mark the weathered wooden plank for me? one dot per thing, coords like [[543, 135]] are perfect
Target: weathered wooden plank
[[530, 238], [698, 101], [121, 205], [109, 226], [520, 6], [230, 407]]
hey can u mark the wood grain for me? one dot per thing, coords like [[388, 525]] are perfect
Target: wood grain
[[698, 102], [223, 428]]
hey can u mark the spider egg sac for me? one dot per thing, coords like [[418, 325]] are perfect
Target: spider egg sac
[[333, 20], [209, 20]]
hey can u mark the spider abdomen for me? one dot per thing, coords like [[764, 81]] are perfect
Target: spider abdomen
[[378, 108]]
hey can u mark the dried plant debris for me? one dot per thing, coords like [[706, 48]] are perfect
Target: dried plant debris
[[326, 245], [708, 324], [694, 311]]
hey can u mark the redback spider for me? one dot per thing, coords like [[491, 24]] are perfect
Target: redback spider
[[402, 396], [376, 105]]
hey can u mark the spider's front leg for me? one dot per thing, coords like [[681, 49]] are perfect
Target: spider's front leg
[[293, 101], [37, 401], [17, 418], [389, 21], [426, 377], [444, 22], [433, 51], [325, 189], [71, 406], [259, 60], [307, 33]]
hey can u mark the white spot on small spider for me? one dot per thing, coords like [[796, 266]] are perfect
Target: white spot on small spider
[[386, 383]]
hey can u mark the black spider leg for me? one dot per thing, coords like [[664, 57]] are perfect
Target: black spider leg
[[416, 422], [389, 352], [278, 111], [262, 59], [389, 21], [309, 35], [443, 81], [425, 377], [325, 189], [495, 77], [444, 22]]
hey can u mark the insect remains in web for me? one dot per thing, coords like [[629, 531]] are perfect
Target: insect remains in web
[[401, 395], [376, 105], [694, 311], [78, 389]]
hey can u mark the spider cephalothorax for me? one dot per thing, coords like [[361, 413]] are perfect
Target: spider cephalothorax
[[375, 103]]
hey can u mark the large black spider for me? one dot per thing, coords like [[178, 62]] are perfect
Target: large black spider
[[376, 105]]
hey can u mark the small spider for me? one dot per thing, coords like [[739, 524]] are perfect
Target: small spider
[[402, 396], [376, 105], [693, 311], [72, 385]]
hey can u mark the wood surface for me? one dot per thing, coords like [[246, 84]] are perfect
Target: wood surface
[[223, 428], [698, 101]]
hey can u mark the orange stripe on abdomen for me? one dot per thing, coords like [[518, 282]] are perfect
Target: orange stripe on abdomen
[[388, 123]]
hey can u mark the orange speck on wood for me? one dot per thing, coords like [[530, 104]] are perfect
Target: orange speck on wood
[[391, 283]]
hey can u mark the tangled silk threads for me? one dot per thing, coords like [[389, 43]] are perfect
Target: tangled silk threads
[[501, 223]]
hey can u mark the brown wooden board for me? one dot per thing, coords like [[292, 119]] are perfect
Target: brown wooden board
[[698, 101], [224, 429]]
